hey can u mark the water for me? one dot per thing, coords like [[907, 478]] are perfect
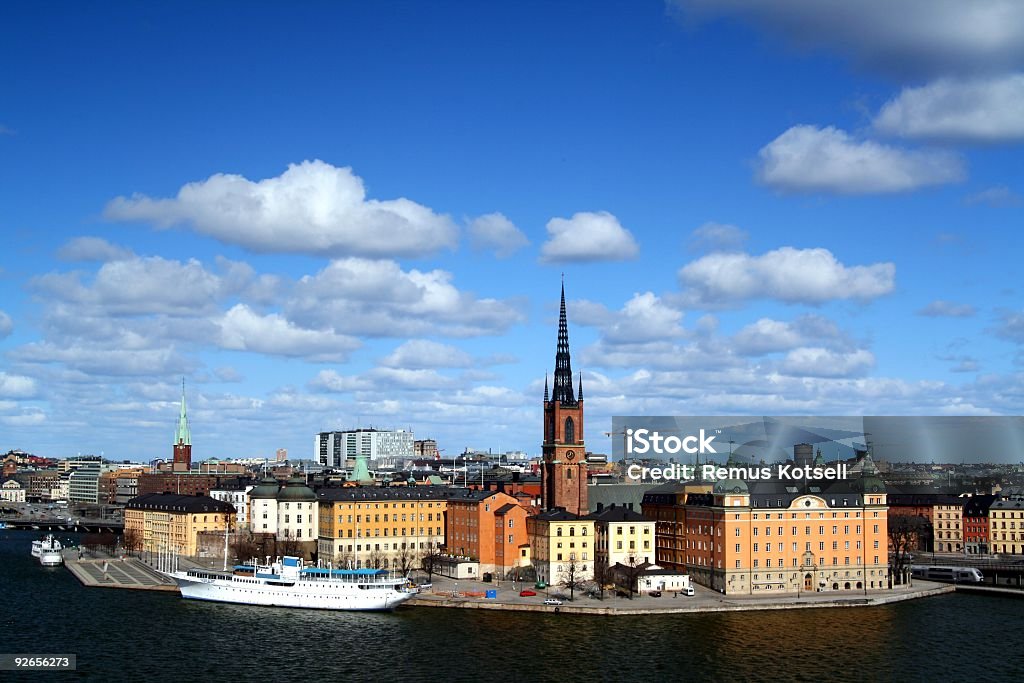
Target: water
[[134, 635]]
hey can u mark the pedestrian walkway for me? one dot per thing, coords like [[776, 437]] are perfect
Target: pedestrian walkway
[[117, 573]]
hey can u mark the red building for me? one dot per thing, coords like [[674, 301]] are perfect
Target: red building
[[976, 541]]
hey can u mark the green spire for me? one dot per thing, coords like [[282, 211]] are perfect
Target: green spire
[[360, 471], [182, 436]]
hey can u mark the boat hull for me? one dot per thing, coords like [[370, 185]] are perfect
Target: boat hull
[[325, 595], [49, 558]]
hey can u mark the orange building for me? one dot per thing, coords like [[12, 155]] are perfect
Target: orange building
[[666, 505], [489, 527], [777, 537]]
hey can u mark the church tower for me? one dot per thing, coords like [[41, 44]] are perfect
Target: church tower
[[182, 438], [564, 472]]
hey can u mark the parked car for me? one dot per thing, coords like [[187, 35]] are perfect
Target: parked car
[[688, 591], [527, 593], [552, 601], [655, 594]]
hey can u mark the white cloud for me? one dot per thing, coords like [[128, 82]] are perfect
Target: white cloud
[[767, 336], [820, 362], [6, 325], [92, 249], [495, 231], [330, 380], [718, 237], [810, 276], [242, 329], [892, 36], [588, 236], [26, 418], [997, 195], [1011, 325], [141, 285], [17, 386], [108, 360], [378, 298], [644, 318], [983, 110], [810, 159], [312, 207], [423, 353], [947, 309]]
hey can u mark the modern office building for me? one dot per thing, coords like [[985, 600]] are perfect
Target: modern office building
[[334, 449]]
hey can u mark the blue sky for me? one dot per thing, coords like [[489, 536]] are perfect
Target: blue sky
[[346, 214]]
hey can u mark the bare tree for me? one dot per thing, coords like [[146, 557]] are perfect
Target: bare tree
[[375, 559], [289, 545], [131, 540], [405, 559], [571, 576], [430, 560], [602, 576], [245, 547], [904, 534], [343, 560]]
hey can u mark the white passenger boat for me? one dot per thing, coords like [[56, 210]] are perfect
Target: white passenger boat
[[49, 551], [287, 583]]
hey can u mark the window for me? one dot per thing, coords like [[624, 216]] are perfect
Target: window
[[570, 430]]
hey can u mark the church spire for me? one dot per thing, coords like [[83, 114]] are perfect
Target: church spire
[[563, 392], [545, 387], [579, 394], [182, 435]]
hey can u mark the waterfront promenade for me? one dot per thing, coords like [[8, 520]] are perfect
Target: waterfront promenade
[[100, 570], [470, 595]]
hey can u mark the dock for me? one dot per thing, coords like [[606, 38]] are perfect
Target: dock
[[117, 572]]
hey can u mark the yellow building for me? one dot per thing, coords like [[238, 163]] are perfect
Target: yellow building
[[382, 527], [167, 522], [623, 536], [947, 520], [773, 537], [1006, 527], [562, 546]]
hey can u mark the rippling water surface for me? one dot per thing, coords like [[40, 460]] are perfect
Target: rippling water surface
[[133, 635]]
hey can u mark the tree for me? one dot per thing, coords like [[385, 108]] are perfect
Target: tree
[[904, 533], [132, 540], [245, 547], [343, 560], [632, 573], [405, 559], [602, 576], [430, 561], [571, 575], [289, 545], [375, 559]]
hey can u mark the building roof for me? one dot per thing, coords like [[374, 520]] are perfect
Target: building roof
[[505, 509], [559, 515], [295, 489], [617, 514], [364, 493], [1007, 505], [173, 502]]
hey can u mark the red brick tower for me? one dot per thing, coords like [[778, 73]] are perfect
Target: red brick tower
[[564, 473]]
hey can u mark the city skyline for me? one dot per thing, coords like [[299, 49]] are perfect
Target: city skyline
[[329, 217]]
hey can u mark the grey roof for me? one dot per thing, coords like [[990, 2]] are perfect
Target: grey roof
[[558, 515], [365, 493], [173, 502], [617, 514]]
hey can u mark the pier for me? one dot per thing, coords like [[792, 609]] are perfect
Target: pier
[[116, 572]]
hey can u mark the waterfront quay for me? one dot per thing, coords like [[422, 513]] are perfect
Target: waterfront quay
[[473, 595], [104, 571]]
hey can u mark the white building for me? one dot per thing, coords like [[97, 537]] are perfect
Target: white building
[[84, 482], [12, 492], [239, 498], [287, 512], [333, 449]]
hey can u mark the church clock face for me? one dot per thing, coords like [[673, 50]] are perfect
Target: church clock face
[[570, 455]]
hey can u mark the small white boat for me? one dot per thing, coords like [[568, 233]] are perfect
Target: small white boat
[[51, 552]]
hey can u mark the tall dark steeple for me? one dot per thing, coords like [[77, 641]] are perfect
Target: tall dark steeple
[[564, 470], [563, 392]]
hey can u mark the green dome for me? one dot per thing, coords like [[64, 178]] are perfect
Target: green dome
[[295, 489], [267, 488], [730, 486]]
